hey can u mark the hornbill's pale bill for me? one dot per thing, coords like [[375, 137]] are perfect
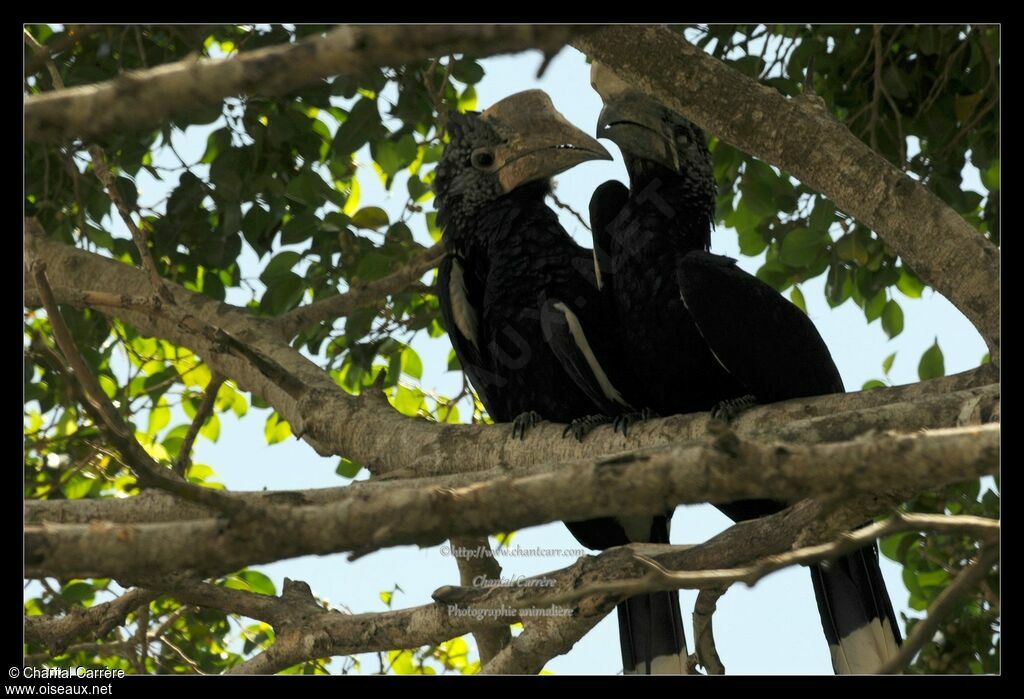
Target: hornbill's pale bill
[[521, 303], [705, 335]]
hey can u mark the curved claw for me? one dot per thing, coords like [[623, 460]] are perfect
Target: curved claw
[[582, 426], [728, 410], [627, 420], [523, 422]]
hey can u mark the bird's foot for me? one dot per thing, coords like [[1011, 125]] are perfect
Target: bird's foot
[[627, 420], [728, 410], [523, 422], [582, 426]]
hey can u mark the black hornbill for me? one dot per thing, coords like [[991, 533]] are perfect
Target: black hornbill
[[523, 307], [705, 335]]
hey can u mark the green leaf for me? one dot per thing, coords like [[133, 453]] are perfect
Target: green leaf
[[279, 265], [78, 591], [159, 417], [872, 384], [283, 293], [251, 581], [892, 319], [347, 469], [371, 218], [909, 284], [468, 71], [453, 361], [299, 228], [373, 265], [304, 189], [362, 124], [411, 363], [467, 100], [802, 246], [851, 248], [108, 385], [822, 216], [78, 486], [932, 364], [990, 176], [887, 363], [211, 430], [873, 309], [393, 156], [276, 430], [797, 297]]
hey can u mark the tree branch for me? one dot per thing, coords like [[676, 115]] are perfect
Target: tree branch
[[719, 470], [489, 642], [204, 411], [808, 143], [334, 307], [248, 349], [106, 417], [103, 174], [706, 653], [925, 629], [542, 639], [657, 578], [142, 99], [80, 623]]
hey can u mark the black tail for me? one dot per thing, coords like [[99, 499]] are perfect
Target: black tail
[[651, 634], [856, 613]]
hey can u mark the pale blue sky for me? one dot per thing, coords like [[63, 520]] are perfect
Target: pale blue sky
[[772, 628]]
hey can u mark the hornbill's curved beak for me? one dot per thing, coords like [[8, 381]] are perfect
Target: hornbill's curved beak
[[539, 142], [632, 120]]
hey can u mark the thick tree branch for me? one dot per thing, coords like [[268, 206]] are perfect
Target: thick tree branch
[[719, 470], [800, 137], [542, 639], [142, 99], [92, 623], [489, 642], [249, 350], [372, 294]]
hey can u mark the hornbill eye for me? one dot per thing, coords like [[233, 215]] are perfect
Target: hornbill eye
[[482, 159]]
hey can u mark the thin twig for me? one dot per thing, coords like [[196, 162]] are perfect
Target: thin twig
[[204, 411], [102, 170], [72, 35], [562, 205], [925, 629], [659, 578], [43, 55]]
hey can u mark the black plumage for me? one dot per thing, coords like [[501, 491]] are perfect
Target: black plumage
[[704, 333], [514, 285], [526, 314]]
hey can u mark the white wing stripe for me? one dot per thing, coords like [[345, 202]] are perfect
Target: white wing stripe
[[580, 338], [462, 309]]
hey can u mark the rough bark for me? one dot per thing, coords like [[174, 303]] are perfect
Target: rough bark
[[142, 99], [719, 470], [802, 138], [92, 623], [365, 429], [973, 406]]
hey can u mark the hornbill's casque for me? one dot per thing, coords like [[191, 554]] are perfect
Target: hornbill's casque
[[522, 305], [705, 335]]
